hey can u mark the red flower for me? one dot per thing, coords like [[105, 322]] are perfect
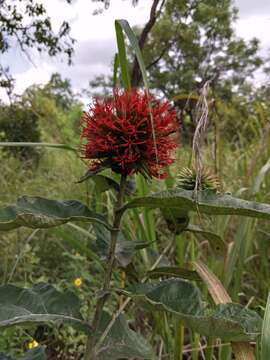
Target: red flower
[[118, 132]]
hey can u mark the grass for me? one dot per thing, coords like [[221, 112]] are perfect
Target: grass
[[58, 255]]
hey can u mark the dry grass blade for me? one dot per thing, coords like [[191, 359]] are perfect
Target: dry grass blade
[[242, 350], [215, 287], [201, 119]]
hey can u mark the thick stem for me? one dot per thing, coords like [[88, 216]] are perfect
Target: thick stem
[[91, 342]]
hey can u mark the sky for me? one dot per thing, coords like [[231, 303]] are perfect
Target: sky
[[95, 39]]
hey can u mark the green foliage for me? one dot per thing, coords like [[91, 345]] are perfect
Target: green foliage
[[122, 342], [217, 244], [19, 123], [71, 251], [59, 90], [57, 108], [193, 42], [42, 303], [30, 26], [125, 250], [35, 354], [41, 213], [180, 297], [206, 202], [50, 112]]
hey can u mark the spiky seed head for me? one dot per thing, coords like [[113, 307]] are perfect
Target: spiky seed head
[[186, 179]]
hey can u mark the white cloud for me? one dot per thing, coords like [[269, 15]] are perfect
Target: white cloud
[[251, 7], [96, 43], [26, 79], [94, 49], [255, 26], [87, 26]]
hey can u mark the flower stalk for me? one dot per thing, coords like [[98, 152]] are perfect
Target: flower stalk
[[91, 342], [117, 133]]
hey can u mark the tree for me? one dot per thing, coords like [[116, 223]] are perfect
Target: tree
[[57, 89], [194, 42], [155, 11], [19, 123], [49, 113], [106, 82], [57, 107], [27, 24], [60, 91]]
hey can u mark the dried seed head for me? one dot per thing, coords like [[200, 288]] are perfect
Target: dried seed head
[[186, 179]]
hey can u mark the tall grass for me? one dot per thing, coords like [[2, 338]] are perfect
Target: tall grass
[[244, 267]]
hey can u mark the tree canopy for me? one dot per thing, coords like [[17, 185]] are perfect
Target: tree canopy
[[27, 24], [194, 42]]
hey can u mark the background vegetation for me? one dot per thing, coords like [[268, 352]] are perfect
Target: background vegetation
[[187, 44]]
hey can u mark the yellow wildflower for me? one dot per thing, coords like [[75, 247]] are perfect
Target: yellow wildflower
[[78, 282], [33, 344]]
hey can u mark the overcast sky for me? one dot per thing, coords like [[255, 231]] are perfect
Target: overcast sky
[[95, 46]]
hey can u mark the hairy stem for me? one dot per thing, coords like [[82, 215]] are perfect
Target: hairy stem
[[127, 301], [91, 342]]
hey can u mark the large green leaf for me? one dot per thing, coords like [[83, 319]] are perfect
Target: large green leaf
[[125, 249], [230, 322], [122, 342], [42, 303], [37, 212], [34, 354], [207, 202]]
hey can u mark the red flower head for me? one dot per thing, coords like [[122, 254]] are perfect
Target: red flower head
[[120, 134]]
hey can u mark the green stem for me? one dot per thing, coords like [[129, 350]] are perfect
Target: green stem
[[179, 328], [209, 351], [225, 352], [91, 341], [194, 335], [148, 216], [179, 340], [196, 346]]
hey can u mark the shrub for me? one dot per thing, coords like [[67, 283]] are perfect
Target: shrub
[[20, 124]]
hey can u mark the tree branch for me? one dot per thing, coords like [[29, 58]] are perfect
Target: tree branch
[[154, 13], [153, 63]]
